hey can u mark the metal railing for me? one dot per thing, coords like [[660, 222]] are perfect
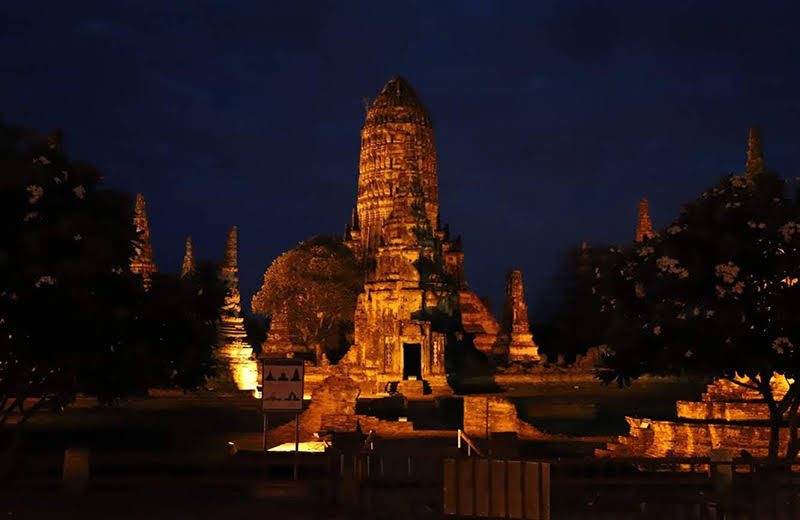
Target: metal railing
[[461, 436], [369, 442]]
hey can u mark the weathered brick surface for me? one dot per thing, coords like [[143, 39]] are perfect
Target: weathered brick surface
[[728, 416], [495, 414]]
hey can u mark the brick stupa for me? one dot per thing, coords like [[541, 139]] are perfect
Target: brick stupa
[[517, 340], [142, 261], [233, 352], [189, 265]]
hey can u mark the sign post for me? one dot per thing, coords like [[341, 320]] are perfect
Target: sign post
[[282, 386]]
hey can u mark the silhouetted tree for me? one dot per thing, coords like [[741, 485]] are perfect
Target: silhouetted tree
[[73, 318], [66, 293], [575, 323], [714, 292], [318, 281]]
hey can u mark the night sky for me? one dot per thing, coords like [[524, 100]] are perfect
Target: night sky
[[551, 119]]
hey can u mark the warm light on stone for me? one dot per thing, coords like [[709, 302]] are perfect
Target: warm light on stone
[[233, 351], [516, 340], [644, 226], [728, 416], [142, 261]]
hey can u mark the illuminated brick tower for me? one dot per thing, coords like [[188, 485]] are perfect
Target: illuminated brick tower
[[233, 351], [644, 226], [189, 266], [396, 141], [142, 261]]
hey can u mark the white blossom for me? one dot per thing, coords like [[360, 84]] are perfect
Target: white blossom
[[44, 280], [117, 270], [688, 354], [674, 230], [41, 160], [79, 191], [77, 237], [670, 265], [781, 345], [657, 330], [57, 180], [739, 181], [709, 313], [36, 193], [31, 215], [728, 272], [789, 229]]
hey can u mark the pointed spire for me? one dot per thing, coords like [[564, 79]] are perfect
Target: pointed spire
[[516, 328], [230, 259], [644, 226], [189, 266], [142, 260], [755, 158], [229, 273]]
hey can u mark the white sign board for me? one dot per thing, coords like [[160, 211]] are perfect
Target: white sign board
[[282, 385]]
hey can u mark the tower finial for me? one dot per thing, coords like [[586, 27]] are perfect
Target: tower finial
[[644, 226], [189, 266], [755, 158]]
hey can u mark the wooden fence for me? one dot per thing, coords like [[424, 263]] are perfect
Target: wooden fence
[[497, 488]]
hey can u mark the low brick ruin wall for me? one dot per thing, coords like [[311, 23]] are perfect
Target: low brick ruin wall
[[496, 414], [649, 438]]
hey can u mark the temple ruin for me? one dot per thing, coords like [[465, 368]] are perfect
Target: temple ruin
[[727, 416], [414, 267]]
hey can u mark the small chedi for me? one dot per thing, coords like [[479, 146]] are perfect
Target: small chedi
[[414, 268], [142, 261], [727, 416], [516, 339], [189, 265], [233, 351]]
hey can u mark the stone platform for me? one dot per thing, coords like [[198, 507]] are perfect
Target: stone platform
[[727, 416]]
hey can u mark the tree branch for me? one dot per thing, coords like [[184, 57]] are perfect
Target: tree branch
[[740, 383]]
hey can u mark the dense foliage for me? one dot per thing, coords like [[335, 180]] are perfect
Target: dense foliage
[[73, 318], [714, 292], [318, 282]]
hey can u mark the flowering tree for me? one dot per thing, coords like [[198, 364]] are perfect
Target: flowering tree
[[73, 318], [715, 293], [318, 281]]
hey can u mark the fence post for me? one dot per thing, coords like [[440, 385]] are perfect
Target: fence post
[[481, 487], [450, 487], [721, 468], [466, 494], [75, 476], [497, 486]]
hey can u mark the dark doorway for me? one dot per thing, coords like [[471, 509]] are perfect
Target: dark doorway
[[412, 361]]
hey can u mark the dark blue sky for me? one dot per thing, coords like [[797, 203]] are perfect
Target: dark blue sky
[[551, 119]]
